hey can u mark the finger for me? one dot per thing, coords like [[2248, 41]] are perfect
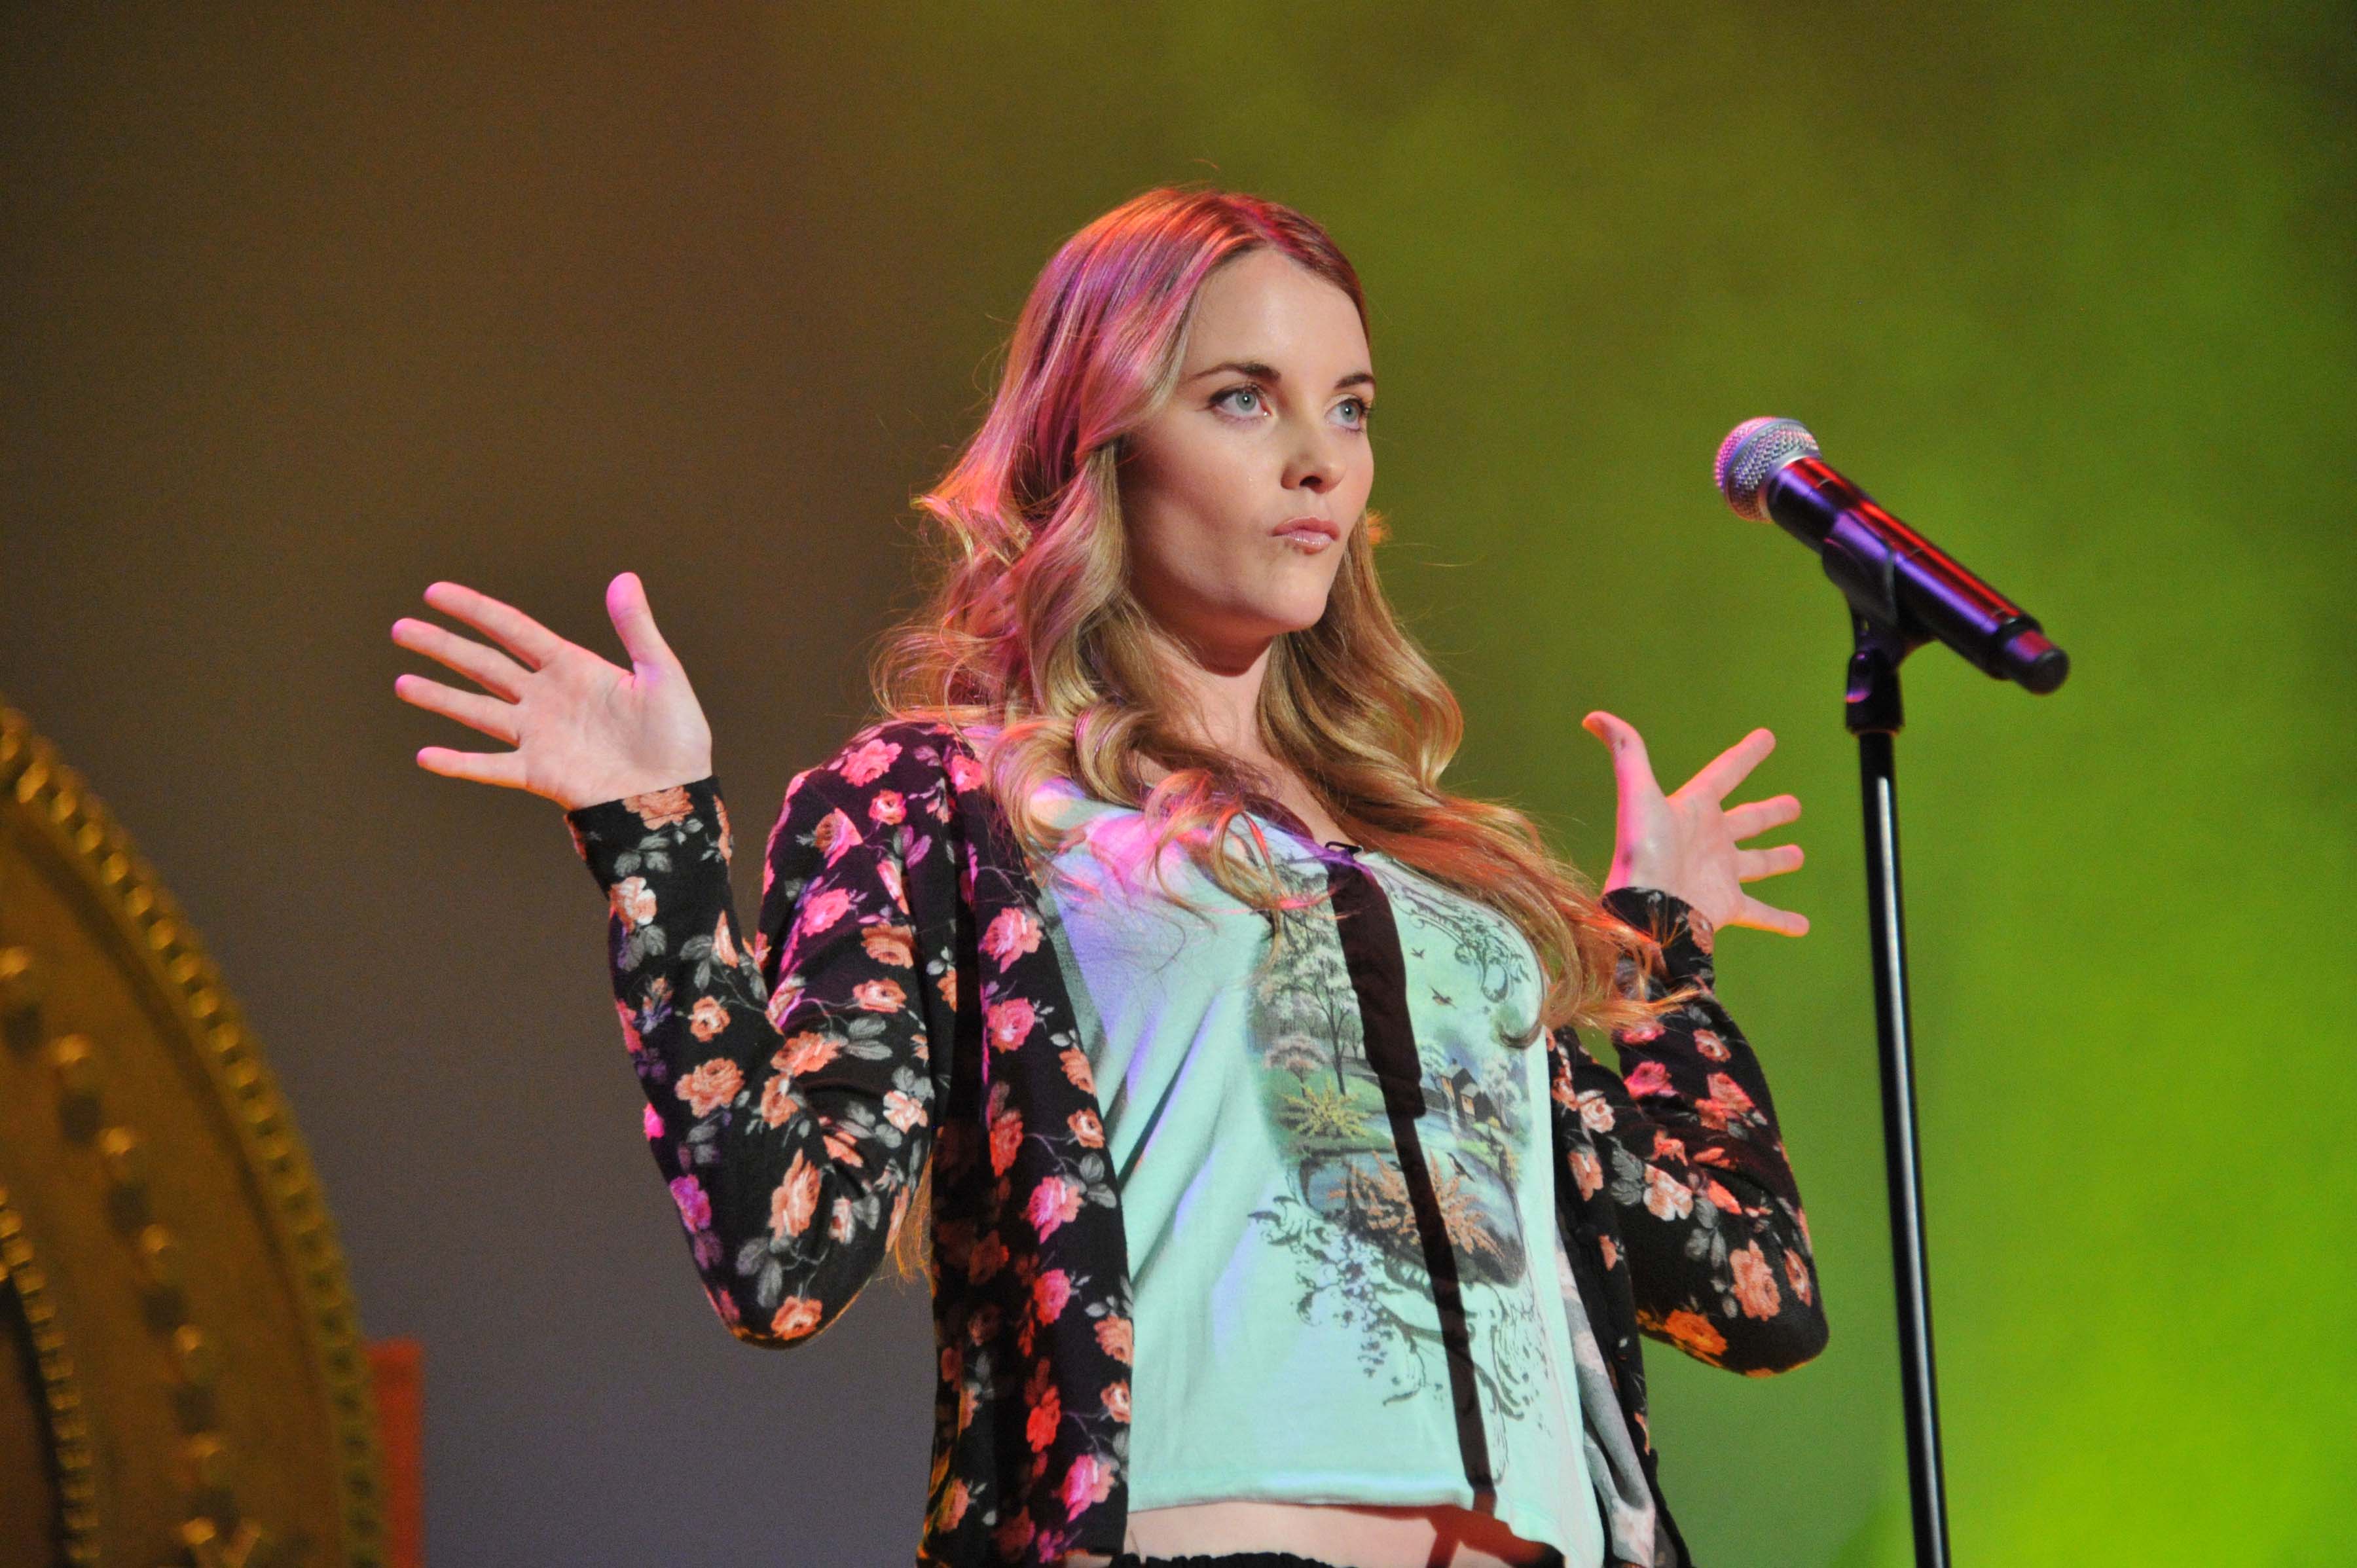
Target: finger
[[492, 716], [1767, 918], [502, 768], [487, 667], [1726, 770], [521, 635], [1751, 864], [1758, 816], [626, 606], [1633, 770]]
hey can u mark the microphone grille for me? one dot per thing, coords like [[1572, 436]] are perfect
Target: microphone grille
[[1753, 452]]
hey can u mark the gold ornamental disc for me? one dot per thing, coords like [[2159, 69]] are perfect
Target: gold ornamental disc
[[182, 1377]]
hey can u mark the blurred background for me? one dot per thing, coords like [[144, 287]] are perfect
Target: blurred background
[[301, 311]]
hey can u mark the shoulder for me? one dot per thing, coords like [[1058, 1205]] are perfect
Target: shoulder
[[903, 756]]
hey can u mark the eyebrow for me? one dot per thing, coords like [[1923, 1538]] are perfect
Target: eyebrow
[[1268, 372]]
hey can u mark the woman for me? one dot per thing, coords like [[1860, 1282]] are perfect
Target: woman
[[1276, 1214]]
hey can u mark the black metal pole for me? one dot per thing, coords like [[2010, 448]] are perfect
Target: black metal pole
[[1874, 714]]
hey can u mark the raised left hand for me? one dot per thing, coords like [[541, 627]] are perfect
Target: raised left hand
[[1686, 843]]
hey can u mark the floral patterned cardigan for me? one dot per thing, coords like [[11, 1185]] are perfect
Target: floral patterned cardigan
[[896, 1006]]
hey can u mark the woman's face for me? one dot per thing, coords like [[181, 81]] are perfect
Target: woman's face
[[1267, 427]]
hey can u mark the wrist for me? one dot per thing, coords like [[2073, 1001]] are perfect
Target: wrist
[[1638, 871], [1686, 934], [612, 834], [628, 787]]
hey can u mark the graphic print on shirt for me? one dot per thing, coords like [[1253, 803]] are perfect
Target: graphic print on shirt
[[1346, 1220]]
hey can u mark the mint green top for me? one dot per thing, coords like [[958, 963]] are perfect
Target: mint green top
[[1289, 1348]]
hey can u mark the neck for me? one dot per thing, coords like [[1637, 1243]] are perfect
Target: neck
[[1220, 697]]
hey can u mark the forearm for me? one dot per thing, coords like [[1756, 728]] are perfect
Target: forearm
[[783, 1171], [1718, 1245]]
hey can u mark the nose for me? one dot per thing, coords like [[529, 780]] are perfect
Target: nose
[[1316, 464]]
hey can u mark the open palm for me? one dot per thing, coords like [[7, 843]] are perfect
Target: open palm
[[584, 729], [1686, 843]]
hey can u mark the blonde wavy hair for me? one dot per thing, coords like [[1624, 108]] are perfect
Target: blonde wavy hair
[[1030, 633]]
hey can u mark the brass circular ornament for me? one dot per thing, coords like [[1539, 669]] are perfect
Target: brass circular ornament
[[182, 1377]]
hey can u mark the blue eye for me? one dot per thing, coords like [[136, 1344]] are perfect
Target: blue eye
[[1366, 409]]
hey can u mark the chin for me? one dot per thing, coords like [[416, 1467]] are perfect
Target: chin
[[1301, 618]]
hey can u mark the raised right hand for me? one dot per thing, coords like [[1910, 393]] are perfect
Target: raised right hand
[[584, 730], [1686, 843]]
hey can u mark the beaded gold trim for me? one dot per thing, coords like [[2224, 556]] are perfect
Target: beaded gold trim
[[20, 1269], [52, 799]]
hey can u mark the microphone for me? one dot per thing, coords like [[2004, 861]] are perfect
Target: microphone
[[1769, 470]]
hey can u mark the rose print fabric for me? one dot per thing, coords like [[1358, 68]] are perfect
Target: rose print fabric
[[897, 1014]]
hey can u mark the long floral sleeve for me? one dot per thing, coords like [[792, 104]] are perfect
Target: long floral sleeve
[[789, 1088], [1718, 1252]]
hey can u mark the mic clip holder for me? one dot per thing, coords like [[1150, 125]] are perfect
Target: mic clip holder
[[1863, 564]]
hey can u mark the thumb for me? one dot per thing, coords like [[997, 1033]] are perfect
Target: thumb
[[1629, 763], [626, 606]]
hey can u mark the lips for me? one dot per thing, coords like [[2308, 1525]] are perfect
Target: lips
[[1312, 531]]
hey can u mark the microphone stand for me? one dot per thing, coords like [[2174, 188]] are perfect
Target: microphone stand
[[1769, 470], [1874, 714]]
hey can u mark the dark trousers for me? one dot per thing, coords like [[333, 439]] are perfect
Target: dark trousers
[[1221, 1560], [1251, 1560]]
